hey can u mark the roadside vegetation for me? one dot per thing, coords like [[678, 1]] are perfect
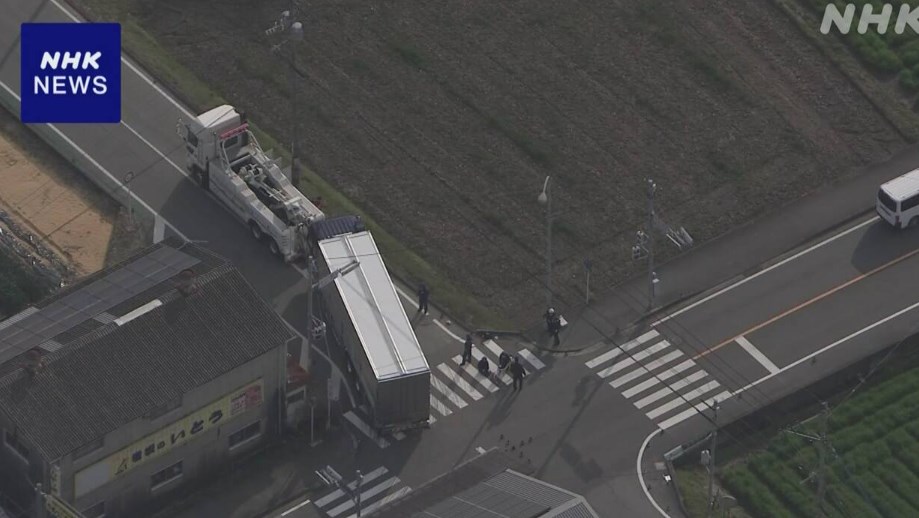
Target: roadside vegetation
[[872, 457], [18, 286]]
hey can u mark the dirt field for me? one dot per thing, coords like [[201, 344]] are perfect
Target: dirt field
[[442, 119], [43, 195]]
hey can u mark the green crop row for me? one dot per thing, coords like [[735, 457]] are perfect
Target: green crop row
[[752, 494]]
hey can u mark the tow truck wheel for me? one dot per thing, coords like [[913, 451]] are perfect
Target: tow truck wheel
[[273, 246], [256, 231]]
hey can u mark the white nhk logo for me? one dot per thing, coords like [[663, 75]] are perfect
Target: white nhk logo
[[69, 84], [843, 21]]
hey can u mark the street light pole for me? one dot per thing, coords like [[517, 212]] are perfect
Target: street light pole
[[546, 200], [296, 35], [652, 277]]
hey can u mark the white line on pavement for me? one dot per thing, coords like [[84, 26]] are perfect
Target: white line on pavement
[[531, 359], [761, 272], [366, 429], [757, 354], [414, 304], [338, 493], [683, 399], [640, 355], [370, 493], [440, 407], [828, 347], [389, 498], [672, 389], [649, 367], [474, 372], [641, 472], [460, 382], [446, 391], [105, 171], [616, 351], [669, 373], [480, 449], [159, 228], [698, 409], [294, 508]]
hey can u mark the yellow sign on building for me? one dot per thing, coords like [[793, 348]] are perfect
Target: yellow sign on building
[[190, 426]]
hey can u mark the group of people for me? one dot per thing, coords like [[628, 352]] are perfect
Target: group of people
[[515, 369]]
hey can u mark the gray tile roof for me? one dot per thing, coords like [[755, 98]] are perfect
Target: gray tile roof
[[488, 486], [101, 376]]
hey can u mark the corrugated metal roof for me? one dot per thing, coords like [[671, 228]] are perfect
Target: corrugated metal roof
[[374, 306], [111, 375]]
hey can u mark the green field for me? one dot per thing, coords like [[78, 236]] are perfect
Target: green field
[[888, 54], [872, 460]]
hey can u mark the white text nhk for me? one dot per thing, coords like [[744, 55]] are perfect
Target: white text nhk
[[70, 84], [843, 20]]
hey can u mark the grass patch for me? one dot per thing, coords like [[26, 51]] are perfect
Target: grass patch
[[530, 147], [872, 469], [402, 262], [410, 55]]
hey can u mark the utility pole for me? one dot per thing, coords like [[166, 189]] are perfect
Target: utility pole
[[128, 177], [822, 443], [545, 199], [294, 34], [644, 242], [711, 467], [821, 470], [652, 277]]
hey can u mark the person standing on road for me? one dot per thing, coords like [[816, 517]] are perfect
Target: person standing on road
[[467, 350], [518, 373], [423, 295]]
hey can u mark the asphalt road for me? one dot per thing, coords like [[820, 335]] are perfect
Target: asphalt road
[[591, 416]]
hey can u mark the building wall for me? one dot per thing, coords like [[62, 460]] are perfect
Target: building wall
[[199, 455], [18, 473]]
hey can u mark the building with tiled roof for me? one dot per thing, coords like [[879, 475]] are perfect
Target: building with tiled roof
[[139, 379]]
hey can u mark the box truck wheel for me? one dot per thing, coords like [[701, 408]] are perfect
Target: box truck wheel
[[256, 231]]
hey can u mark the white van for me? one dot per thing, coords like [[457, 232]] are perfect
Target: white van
[[898, 200]]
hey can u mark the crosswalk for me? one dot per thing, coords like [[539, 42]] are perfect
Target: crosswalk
[[378, 488], [454, 387], [658, 379]]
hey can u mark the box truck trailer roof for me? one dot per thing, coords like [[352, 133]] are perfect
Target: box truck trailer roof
[[374, 306]]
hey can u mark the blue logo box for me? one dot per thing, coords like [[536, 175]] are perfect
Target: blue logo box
[[70, 72]]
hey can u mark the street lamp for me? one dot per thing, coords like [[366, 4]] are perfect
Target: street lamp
[[294, 33], [545, 199]]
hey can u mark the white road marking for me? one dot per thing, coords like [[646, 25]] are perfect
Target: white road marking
[[678, 402], [460, 382], [446, 391], [757, 354], [686, 414], [649, 367], [616, 351], [531, 359], [370, 493], [641, 472], [503, 376], [294, 508], [338, 493], [440, 407], [474, 372], [159, 229], [828, 347], [480, 449], [432, 419], [389, 498], [366, 429], [666, 391], [103, 169], [669, 373], [640, 355], [769, 269]]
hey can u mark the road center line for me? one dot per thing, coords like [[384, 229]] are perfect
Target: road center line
[[809, 302], [767, 270], [757, 354]]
